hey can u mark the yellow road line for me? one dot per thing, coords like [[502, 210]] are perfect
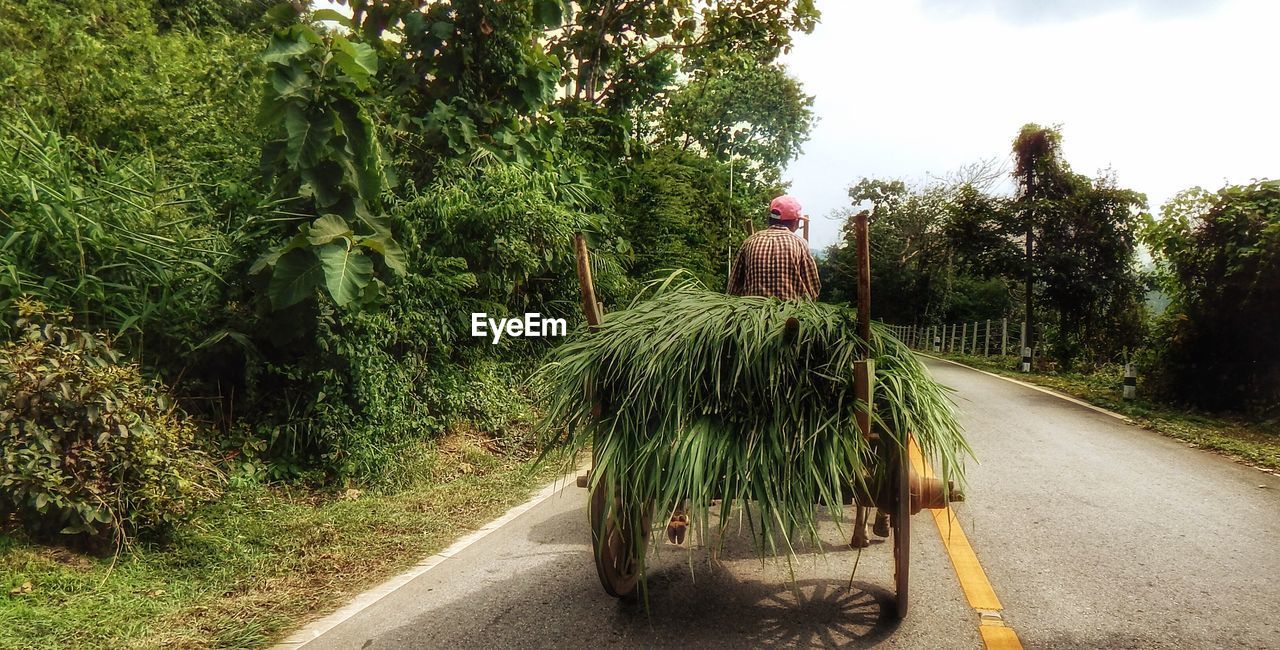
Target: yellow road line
[[973, 580], [998, 636]]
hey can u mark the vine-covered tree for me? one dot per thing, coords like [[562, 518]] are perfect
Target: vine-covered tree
[[1038, 170]]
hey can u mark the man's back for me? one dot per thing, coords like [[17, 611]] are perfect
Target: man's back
[[775, 262]]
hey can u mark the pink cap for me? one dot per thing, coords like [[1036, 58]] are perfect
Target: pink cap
[[785, 207]]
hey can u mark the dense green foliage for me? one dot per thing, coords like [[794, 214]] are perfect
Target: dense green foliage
[[288, 215], [87, 446], [1218, 259], [705, 396], [953, 252], [942, 253], [106, 236]]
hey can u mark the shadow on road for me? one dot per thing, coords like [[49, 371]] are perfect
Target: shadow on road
[[554, 600], [718, 610], [558, 603]]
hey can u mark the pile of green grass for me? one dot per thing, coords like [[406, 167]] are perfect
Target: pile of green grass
[[705, 396]]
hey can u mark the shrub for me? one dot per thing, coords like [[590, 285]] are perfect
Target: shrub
[[87, 446]]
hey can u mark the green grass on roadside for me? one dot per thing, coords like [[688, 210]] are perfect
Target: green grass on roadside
[[257, 564], [1255, 443]]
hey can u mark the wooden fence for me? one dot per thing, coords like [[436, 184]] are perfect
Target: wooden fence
[[979, 338]]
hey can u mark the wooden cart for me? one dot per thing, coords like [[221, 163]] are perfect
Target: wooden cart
[[899, 491]]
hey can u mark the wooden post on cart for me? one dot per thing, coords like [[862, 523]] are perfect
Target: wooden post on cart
[[616, 544], [591, 308], [864, 369], [586, 287], [896, 499]]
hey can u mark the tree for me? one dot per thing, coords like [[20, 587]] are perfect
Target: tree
[[326, 160], [979, 230], [1218, 258], [1038, 172], [908, 252], [607, 43], [1079, 237], [940, 253], [1087, 267], [755, 114], [677, 213]]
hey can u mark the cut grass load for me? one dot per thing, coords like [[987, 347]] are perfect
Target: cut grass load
[[692, 396]]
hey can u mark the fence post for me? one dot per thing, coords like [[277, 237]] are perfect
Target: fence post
[[973, 347], [937, 340], [986, 340], [1004, 336], [964, 336], [1130, 382], [1026, 351]]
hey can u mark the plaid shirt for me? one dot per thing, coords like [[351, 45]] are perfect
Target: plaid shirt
[[775, 262]]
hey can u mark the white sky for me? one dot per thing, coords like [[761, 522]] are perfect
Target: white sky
[[1169, 93]]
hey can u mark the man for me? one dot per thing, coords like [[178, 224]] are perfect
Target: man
[[772, 263], [775, 261]]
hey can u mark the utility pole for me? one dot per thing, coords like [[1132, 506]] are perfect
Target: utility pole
[[1029, 318], [728, 247]]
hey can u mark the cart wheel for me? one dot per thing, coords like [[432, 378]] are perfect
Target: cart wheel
[[902, 526], [616, 553]]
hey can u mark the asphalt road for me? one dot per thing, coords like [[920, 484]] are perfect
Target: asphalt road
[[1093, 533]]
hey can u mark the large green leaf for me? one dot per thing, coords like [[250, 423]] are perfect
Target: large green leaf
[[392, 255], [550, 13], [346, 271], [282, 50], [289, 82], [270, 258], [331, 14], [267, 259], [309, 133], [326, 229], [327, 186], [362, 142], [357, 60], [295, 278]]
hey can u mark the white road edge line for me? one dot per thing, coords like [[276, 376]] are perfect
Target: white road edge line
[[1046, 391], [365, 600]]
